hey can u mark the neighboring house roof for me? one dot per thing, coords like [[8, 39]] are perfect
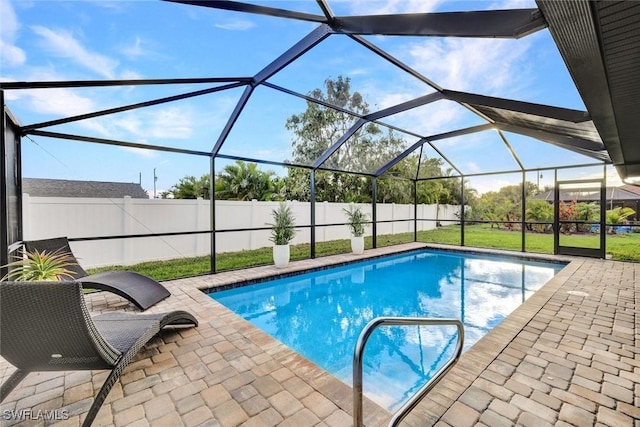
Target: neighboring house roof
[[632, 188], [612, 193], [38, 187]]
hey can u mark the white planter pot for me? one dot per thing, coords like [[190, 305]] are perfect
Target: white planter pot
[[357, 244], [281, 255]]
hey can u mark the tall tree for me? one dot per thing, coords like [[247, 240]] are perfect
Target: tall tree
[[503, 205], [445, 190], [319, 127]]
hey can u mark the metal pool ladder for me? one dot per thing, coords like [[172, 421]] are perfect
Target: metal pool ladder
[[413, 401]]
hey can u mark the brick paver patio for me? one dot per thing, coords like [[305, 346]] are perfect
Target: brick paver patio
[[570, 355]]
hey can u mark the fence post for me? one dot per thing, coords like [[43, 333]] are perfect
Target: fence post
[[393, 218], [200, 204], [127, 214], [26, 217], [252, 216], [325, 219]]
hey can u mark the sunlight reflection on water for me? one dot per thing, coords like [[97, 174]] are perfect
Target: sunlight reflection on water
[[320, 314]]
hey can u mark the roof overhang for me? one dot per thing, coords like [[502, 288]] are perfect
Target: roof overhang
[[600, 44]]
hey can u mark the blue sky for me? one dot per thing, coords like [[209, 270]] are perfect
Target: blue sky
[[93, 40]]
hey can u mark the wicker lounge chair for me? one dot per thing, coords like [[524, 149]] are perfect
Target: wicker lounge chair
[[46, 326], [137, 288]]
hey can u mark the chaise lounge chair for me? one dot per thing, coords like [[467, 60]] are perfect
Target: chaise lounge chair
[[137, 288], [46, 326]]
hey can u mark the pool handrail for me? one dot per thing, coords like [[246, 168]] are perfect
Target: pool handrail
[[413, 401]]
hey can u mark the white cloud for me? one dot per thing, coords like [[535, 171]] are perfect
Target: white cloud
[[9, 21], [444, 118], [173, 122], [489, 183], [493, 67], [359, 72], [431, 119], [135, 126], [385, 7], [143, 49], [65, 102], [10, 54], [63, 44], [147, 154], [236, 25], [482, 65], [487, 66], [130, 123], [390, 99], [116, 6], [135, 50], [59, 102], [140, 126], [473, 167], [96, 128], [512, 4], [591, 173], [131, 75]]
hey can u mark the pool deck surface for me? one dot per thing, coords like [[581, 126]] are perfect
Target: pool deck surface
[[569, 356]]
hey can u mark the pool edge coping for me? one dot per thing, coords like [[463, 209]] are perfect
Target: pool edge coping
[[483, 353], [296, 269], [471, 364]]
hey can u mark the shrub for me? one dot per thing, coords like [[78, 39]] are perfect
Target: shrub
[[539, 211]]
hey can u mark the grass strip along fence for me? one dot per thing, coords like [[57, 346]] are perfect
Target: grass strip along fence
[[621, 247]]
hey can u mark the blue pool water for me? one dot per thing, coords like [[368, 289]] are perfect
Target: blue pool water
[[320, 314]]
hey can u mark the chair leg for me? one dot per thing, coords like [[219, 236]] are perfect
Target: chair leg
[[114, 375], [11, 383], [104, 392]]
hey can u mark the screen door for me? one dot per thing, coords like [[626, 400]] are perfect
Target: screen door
[[580, 218]]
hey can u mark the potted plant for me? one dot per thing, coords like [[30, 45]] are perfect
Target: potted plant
[[282, 232], [357, 221], [41, 266]]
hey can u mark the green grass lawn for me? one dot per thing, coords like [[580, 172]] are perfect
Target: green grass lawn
[[622, 247]]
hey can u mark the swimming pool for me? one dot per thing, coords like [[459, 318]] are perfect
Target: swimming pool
[[320, 314]]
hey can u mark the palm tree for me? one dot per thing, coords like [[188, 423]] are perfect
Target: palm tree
[[189, 187], [244, 181]]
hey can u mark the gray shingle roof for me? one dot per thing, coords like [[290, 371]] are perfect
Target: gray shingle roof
[[612, 193], [631, 188], [39, 187]]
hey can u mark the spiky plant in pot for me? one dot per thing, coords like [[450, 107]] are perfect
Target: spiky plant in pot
[[282, 232], [41, 266]]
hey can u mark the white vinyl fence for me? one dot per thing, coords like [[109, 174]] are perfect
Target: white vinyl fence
[[46, 217]]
